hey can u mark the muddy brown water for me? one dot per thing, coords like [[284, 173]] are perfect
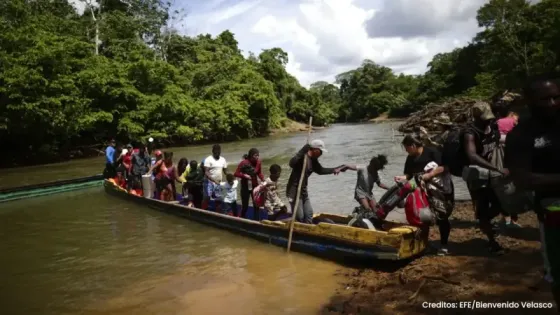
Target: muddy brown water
[[88, 253]]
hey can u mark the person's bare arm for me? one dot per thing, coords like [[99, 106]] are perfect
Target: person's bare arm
[[351, 167], [154, 166], [178, 178], [474, 158], [433, 173], [382, 186], [208, 176]]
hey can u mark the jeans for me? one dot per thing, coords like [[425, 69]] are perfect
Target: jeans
[[245, 194], [304, 211]]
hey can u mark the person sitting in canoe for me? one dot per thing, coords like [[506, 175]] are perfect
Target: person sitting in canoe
[[368, 176], [267, 194], [215, 166], [304, 211]]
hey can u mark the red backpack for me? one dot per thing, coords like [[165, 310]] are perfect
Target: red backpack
[[259, 195], [417, 209]]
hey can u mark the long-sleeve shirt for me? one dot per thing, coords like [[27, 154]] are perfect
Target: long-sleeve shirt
[[258, 173], [313, 166], [109, 152]]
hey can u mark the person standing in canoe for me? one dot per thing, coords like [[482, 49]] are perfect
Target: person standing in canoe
[[313, 150], [215, 166], [249, 170], [109, 152], [139, 165]]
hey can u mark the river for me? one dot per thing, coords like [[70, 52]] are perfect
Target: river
[[88, 253]]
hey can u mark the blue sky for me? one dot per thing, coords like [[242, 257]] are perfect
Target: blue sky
[[327, 37]]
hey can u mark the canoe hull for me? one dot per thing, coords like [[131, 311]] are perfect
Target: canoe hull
[[277, 233], [37, 190]]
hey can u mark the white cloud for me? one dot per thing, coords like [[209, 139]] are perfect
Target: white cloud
[[326, 37]]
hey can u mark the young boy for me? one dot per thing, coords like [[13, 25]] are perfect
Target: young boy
[[367, 177], [229, 195], [273, 204]]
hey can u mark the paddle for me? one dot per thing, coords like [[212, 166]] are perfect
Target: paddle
[[298, 194]]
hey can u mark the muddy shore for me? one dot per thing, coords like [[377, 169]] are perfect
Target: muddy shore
[[468, 274]]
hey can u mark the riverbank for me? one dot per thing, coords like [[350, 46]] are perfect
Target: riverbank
[[384, 117], [288, 126], [468, 274], [291, 126]]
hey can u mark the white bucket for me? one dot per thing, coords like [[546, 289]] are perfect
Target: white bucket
[[147, 185]]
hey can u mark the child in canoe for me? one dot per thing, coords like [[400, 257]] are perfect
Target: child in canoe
[[266, 194], [228, 191]]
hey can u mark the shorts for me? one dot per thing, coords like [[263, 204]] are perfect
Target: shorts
[[208, 189], [162, 183], [228, 207]]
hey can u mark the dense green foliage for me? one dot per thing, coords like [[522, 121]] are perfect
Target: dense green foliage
[[120, 70], [519, 39]]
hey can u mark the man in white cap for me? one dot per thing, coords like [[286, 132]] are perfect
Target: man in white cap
[[313, 150]]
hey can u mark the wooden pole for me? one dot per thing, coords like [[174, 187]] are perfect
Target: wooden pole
[[298, 194]]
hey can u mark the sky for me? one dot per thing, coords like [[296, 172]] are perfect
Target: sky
[[326, 37]]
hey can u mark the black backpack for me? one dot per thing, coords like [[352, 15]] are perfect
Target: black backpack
[[195, 177], [453, 152]]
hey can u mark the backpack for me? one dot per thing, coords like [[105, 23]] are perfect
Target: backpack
[[195, 177], [453, 152], [259, 195], [396, 194], [417, 209]]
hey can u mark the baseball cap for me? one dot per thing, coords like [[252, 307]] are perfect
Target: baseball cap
[[318, 144], [483, 111], [129, 146]]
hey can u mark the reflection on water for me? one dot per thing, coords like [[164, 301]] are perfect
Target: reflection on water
[[87, 252]]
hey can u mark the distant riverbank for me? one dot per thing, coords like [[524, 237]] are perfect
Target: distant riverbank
[[288, 126], [385, 118]]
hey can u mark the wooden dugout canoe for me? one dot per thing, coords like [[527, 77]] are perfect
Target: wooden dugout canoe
[[43, 189], [337, 241]]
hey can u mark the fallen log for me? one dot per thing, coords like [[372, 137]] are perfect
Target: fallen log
[[435, 117]]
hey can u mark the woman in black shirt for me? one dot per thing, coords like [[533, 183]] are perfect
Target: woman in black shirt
[[438, 181]]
